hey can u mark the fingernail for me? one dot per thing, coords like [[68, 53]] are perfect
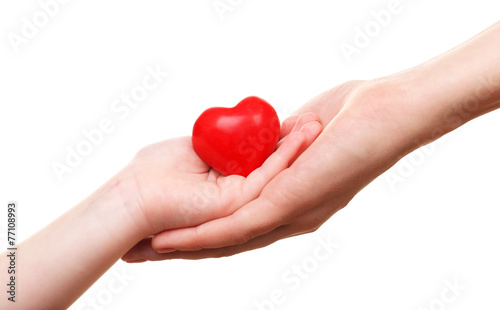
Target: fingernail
[[137, 261], [162, 251]]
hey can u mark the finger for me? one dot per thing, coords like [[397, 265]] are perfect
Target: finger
[[287, 126], [140, 251], [291, 229], [294, 123], [304, 119], [145, 252], [255, 243], [311, 131], [298, 226], [254, 219], [277, 162]]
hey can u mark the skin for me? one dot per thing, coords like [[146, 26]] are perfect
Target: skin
[[369, 126], [165, 186], [193, 212]]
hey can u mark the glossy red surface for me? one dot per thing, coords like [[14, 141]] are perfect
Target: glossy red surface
[[237, 140]]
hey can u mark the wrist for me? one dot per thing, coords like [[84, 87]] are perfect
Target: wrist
[[388, 111], [117, 207]]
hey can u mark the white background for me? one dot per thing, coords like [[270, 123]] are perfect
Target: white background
[[399, 243]]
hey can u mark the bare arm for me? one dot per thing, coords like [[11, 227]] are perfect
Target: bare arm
[[164, 187]]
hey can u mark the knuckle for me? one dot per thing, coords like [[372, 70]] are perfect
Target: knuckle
[[198, 241], [242, 238]]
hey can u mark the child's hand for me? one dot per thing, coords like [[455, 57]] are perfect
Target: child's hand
[[177, 189]]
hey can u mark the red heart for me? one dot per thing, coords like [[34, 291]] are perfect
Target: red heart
[[237, 140]]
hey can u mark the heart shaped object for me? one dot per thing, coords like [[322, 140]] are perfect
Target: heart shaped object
[[237, 140]]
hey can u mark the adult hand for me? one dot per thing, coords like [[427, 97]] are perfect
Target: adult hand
[[371, 125], [351, 151]]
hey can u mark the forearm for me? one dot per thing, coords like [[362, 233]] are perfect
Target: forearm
[[370, 125], [60, 262], [409, 109], [453, 88]]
